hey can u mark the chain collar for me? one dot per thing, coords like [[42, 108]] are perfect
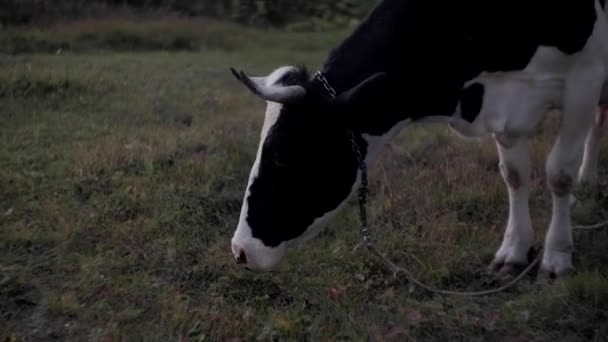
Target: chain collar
[[330, 90], [363, 188]]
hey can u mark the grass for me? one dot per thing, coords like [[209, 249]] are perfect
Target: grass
[[166, 33], [122, 175]]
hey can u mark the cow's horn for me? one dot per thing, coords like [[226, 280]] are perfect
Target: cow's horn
[[279, 94]]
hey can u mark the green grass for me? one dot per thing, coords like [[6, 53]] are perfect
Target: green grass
[[121, 180], [168, 33]]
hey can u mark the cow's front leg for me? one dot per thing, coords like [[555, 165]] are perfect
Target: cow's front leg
[[580, 100], [518, 237]]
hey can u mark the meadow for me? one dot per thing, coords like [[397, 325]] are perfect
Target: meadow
[[124, 155]]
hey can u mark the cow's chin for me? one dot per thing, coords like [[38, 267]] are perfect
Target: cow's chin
[[254, 253], [260, 257]]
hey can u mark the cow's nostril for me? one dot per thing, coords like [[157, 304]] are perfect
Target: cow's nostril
[[241, 259]]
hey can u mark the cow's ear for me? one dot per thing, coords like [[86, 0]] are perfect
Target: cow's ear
[[368, 90], [369, 104]]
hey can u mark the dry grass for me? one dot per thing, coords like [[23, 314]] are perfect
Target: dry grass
[[122, 175]]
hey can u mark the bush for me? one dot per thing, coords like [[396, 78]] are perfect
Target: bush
[[276, 13]]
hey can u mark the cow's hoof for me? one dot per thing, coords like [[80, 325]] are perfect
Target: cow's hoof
[[510, 259], [506, 270], [556, 264], [548, 278]]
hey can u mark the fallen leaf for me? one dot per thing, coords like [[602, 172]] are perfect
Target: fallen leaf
[[333, 292], [284, 324], [414, 317]]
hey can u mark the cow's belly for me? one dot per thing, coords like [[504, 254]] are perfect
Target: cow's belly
[[510, 103], [515, 103]]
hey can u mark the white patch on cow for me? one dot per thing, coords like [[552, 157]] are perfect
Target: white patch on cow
[[276, 75], [583, 85], [258, 255], [513, 104]]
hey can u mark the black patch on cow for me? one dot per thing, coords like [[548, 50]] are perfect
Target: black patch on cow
[[307, 168], [471, 102]]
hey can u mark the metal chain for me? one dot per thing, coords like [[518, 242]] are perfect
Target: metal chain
[[366, 240], [365, 235], [363, 189], [330, 90]]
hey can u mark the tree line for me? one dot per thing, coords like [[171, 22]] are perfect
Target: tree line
[[276, 13]]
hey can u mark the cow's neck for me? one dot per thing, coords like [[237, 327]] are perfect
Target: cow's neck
[[373, 47], [421, 47], [369, 49]]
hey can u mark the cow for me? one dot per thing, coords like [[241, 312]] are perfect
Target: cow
[[484, 67]]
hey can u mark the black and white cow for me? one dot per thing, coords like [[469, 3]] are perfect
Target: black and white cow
[[487, 67]]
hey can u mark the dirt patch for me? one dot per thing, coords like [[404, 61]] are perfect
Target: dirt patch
[[17, 300], [23, 315]]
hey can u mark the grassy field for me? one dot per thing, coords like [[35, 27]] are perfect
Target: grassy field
[[122, 175]]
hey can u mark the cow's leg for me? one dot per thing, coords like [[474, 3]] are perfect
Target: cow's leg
[[588, 171], [580, 100], [518, 238]]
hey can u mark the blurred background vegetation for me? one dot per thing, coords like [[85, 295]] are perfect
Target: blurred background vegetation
[[288, 14]]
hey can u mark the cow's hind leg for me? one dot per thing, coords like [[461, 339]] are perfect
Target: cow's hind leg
[[580, 100], [518, 238]]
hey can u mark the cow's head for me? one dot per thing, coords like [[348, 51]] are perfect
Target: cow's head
[[305, 168]]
